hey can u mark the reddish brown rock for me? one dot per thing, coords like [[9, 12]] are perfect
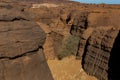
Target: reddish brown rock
[[97, 26], [79, 22], [97, 54], [83, 41], [21, 52]]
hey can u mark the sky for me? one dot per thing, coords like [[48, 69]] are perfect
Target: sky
[[99, 1]]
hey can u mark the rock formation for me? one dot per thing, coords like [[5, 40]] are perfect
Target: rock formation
[[97, 52], [21, 52], [95, 26], [98, 34]]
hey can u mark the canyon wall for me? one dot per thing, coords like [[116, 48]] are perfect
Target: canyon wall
[[99, 40], [88, 31], [96, 28]]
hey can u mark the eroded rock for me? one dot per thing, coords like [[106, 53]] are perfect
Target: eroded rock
[[97, 54], [21, 52]]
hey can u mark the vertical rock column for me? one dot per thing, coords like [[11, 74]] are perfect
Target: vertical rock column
[[80, 28]]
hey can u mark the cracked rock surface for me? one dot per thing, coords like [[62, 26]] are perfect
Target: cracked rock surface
[[21, 52]]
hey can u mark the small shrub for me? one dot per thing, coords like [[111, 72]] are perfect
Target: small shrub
[[69, 46]]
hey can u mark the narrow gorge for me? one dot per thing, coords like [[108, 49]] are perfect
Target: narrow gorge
[[32, 33]]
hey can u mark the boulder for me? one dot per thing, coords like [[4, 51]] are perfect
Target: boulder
[[21, 52]]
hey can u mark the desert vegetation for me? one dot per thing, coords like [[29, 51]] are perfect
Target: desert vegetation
[[69, 46]]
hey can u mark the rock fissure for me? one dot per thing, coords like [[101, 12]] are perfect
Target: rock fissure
[[14, 19], [18, 19], [19, 56]]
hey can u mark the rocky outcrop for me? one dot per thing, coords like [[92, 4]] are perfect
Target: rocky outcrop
[[97, 52], [79, 27], [96, 45], [98, 33], [21, 52], [53, 41], [78, 19]]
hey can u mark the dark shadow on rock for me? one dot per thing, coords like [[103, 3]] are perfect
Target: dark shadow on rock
[[114, 66], [84, 54]]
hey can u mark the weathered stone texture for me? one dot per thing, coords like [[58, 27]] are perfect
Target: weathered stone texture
[[21, 53], [97, 54]]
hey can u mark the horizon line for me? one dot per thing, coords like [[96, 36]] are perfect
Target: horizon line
[[96, 2]]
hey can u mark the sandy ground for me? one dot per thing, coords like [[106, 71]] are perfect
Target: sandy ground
[[68, 69]]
